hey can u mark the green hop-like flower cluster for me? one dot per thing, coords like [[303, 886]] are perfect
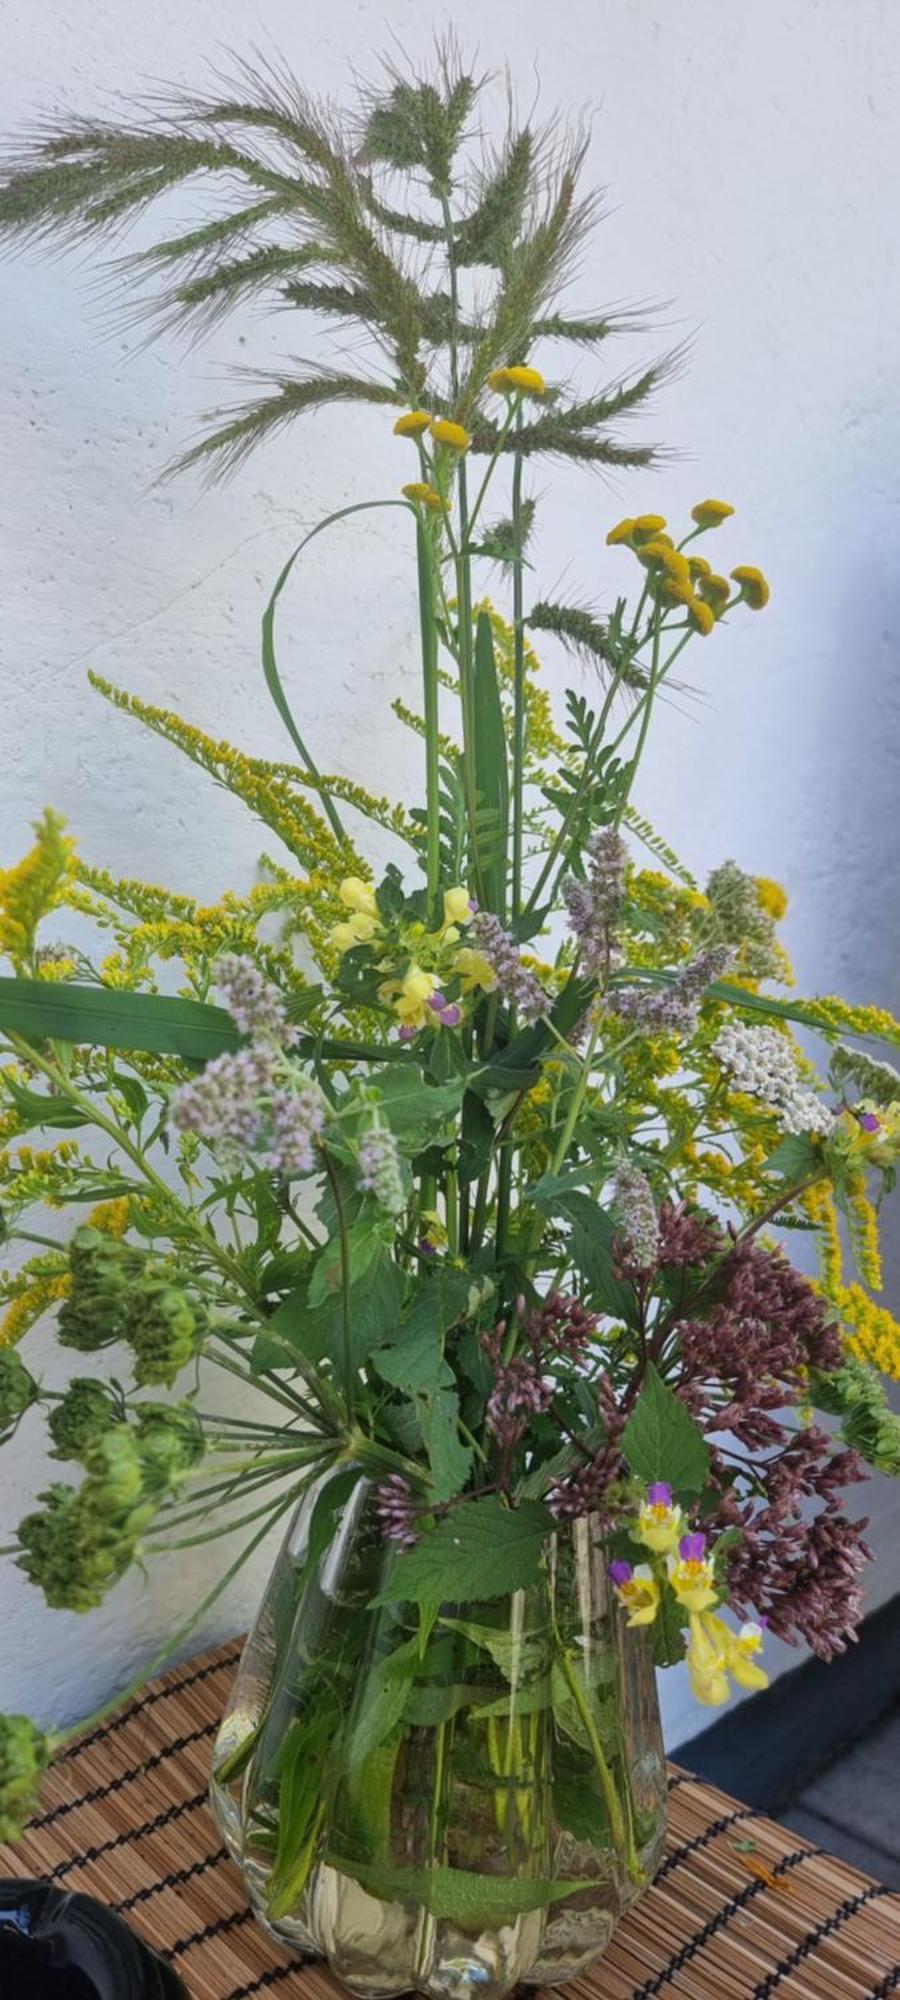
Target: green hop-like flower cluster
[[80, 1418], [868, 1425], [25, 1752], [18, 1390], [171, 1443], [119, 1294]]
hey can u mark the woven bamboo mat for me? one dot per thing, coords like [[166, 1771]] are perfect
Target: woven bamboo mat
[[124, 1817]]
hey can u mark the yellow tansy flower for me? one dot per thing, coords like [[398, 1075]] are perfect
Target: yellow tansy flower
[[711, 513], [445, 431], [622, 532], [424, 495], [646, 526], [753, 586], [517, 381], [412, 423], [715, 591], [702, 616], [698, 567]]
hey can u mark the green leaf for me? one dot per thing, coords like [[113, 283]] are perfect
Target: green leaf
[[418, 1112], [414, 1359], [795, 1159], [474, 1902], [101, 1017], [593, 1235], [384, 1697], [450, 1460], [491, 774], [661, 1440], [667, 1639], [363, 1240], [40, 1110], [520, 1656], [479, 1550]]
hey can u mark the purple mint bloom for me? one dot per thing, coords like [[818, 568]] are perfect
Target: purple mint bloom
[[514, 980], [692, 1548], [868, 1121], [659, 1494], [620, 1573], [451, 1016]]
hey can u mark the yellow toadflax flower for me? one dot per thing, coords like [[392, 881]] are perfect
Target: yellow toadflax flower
[[753, 586], [637, 1590], [445, 431], [475, 970], [517, 381], [711, 513], [457, 906], [419, 491], [412, 423], [355, 894]]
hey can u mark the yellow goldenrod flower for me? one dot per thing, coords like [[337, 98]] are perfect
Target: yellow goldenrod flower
[[475, 970], [753, 586], [34, 887], [622, 532], [112, 1217], [419, 491], [646, 526], [457, 906], [412, 423], [445, 431], [355, 894], [21, 1315], [871, 1332], [660, 1521], [691, 1574], [637, 1590], [702, 616], [517, 381], [711, 513], [773, 898]]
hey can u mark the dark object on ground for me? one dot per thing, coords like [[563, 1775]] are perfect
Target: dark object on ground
[[58, 1946]]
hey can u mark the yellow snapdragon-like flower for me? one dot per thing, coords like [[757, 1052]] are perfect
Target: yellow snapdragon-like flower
[[475, 970], [457, 906], [412, 423], [445, 431], [660, 1520], [416, 989], [356, 930], [637, 1590], [355, 894], [622, 532], [711, 513], [517, 381], [741, 1655], [705, 1661], [691, 1574], [423, 495], [753, 586]]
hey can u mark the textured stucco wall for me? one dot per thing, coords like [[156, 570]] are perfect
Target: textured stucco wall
[[752, 157]]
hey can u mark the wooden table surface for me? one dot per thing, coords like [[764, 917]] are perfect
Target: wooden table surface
[[124, 1817]]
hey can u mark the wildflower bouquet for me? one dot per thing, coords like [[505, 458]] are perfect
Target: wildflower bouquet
[[468, 1169]]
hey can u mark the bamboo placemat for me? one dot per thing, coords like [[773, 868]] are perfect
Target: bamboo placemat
[[124, 1817]]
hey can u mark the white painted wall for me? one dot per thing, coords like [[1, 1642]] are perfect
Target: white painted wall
[[752, 156]]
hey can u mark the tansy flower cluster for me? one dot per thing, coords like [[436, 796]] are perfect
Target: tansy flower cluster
[[689, 581]]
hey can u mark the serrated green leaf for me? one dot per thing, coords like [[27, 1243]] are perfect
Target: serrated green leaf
[[449, 1459], [417, 1112], [479, 1550], [661, 1441]]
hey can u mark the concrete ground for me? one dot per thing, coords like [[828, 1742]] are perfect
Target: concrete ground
[[852, 1806]]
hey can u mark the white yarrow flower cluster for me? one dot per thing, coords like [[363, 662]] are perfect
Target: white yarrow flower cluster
[[763, 1064]]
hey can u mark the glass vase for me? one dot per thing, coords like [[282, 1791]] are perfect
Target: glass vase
[[456, 1801]]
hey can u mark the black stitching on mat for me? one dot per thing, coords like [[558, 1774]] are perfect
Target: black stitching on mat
[[816, 1936], [692, 1945], [700, 1840], [172, 1749], [159, 1694], [173, 1881], [888, 1984], [218, 1929], [127, 1839], [265, 1979]]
